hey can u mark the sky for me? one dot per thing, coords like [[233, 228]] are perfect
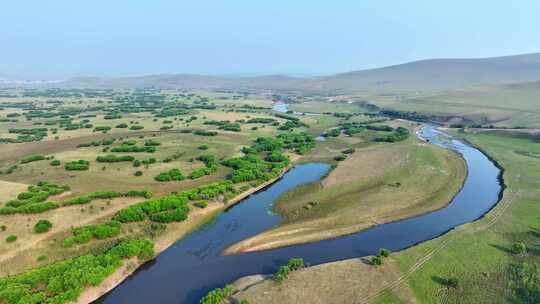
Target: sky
[[58, 39]]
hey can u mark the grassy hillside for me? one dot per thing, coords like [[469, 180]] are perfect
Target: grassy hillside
[[503, 105], [419, 75]]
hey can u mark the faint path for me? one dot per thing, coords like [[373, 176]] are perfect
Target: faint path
[[497, 212]]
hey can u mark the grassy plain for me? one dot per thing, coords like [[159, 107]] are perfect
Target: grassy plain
[[509, 105]]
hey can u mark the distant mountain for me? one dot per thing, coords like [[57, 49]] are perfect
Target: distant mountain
[[417, 75]]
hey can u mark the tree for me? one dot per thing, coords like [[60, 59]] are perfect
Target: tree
[[377, 261], [384, 252], [519, 248], [42, 226]]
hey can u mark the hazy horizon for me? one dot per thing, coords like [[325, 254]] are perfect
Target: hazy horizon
[[60, 39]]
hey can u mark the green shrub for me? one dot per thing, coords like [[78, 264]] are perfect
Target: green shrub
[[41, 258], [377, 261], [80, 165], [218, 295], [519, 248], [340, 158], [282, 274], [138, 173], [42, 226], [171, 175], [11, 238], [203, 147], [384, 252], [32, 158], [55, 163]]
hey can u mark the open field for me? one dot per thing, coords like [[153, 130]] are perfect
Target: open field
[[509, 105], [376, 184]]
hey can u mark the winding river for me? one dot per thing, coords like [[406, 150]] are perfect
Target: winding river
[[193, 266]]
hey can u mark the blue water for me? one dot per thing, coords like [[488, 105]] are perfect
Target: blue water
[[193, 266]]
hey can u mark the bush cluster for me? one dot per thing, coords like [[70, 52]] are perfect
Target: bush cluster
[[79, 165], [63, 282], [84, 234], [172, 208], [211, 166], [171, 175], [42, 226], [284, 271], [111, 158], [32, 158], [133, 149]]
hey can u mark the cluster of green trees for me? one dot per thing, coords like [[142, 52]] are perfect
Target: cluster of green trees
[[210, 191], [32, 158], [87, 198], [42, 226], [29, 134], [63, 282], [136, 127], [111, 158], [102, 129], [84, 234], [55, 163], [171, 175], [251, 167], [291, 124], [104, 142], [378, 259], [284, 271], [33, 206], [398, 134], [300, 143], [152, 142], [78, 165], [225, 125], [205, 133], [136, 149], [218, 295], [383, 128], [211, 166], [261, 120], [33, 200], [172, 208], [112, 116]]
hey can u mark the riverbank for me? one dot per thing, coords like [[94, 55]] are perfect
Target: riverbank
[[174, 233], [376, 185]]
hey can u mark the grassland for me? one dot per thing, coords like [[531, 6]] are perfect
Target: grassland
[[478, 255], [509, 105], [376, 184]]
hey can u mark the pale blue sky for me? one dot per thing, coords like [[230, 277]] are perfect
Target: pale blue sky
[[63, 38]]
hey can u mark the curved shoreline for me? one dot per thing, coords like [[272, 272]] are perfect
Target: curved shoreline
[[130, 266], [245, 247]]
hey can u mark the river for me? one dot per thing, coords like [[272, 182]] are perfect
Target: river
[[194, 265]]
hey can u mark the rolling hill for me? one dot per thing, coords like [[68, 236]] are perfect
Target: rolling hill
[[432, 74]]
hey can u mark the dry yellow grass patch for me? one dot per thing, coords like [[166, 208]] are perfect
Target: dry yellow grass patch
[[341, 282], [9, 190]]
